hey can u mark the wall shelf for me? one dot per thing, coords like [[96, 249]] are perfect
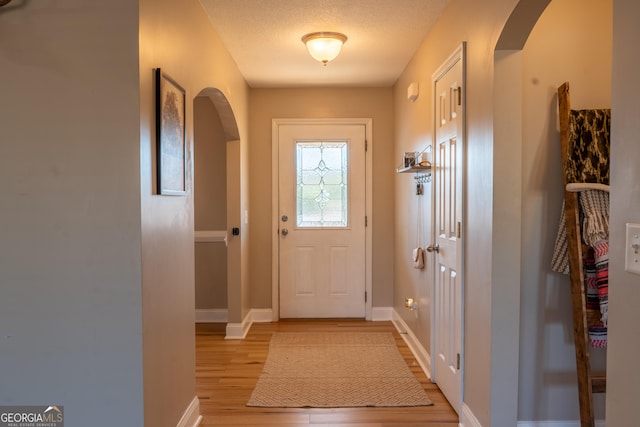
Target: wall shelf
[[415, 169], [422, 175], [420, 165]]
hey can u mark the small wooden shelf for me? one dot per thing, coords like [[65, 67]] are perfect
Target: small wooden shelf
[[422, 174], [414, 169]]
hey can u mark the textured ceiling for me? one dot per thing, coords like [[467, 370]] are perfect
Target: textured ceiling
[[263, 37]]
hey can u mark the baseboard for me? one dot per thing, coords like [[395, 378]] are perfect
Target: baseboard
[[191, 416], [262, 315], [239, 331], [418, 350], [467, 418], [599, 423], [381, 314], [212, 315]]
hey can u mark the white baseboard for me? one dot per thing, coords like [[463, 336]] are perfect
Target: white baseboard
[[212, 315], [262, 315], [381, 314], [191, 416], [239, 331], [599, 423], [467, 418], [418, 350]]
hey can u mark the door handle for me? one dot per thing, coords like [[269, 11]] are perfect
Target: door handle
[[285, 231], [433, 248]]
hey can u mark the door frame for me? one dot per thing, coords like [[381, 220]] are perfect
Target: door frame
[[458, 55], [275, 197]]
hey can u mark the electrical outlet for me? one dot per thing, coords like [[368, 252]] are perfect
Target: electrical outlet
[[632, 249]]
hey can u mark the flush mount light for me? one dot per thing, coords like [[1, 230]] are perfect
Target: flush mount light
[[324, 46]]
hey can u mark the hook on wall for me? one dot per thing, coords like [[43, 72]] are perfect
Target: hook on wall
[[422, 178]]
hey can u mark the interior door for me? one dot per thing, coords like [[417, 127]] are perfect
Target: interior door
[[321, 221], [448, 292]]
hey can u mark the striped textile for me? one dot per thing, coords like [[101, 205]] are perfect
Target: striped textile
[[601, 252], [597, 330]]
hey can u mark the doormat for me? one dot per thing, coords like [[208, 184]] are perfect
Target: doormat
[[336, 370]]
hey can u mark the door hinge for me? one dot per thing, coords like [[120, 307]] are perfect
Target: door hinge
[[365, 296], [459, 230], [366, 221], [366, 145], [458, 361]]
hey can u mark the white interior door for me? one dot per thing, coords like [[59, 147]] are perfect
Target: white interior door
[[321, 221], [448, 295]]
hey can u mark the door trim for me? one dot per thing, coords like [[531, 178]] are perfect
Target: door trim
[[458, 55], [275, 196]]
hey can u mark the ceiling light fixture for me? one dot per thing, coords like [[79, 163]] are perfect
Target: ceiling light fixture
[[324, 46]]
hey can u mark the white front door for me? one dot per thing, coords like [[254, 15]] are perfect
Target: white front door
[[321, 220], [448, 168]]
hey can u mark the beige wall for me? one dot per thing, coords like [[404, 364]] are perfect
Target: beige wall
[[268, 104], [210, 203], [622, 376], [577, 50], [479, 23], [496, 205], [102, 270], [176, 36]]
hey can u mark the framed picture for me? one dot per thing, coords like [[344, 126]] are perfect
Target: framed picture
[[170, 136]]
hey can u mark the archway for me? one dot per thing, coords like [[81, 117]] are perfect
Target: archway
[[536, 52], [216, 200]]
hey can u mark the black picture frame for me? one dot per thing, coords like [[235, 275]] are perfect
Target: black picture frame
[[170, 136]]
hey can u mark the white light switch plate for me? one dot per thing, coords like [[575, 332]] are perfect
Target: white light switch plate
[[632, 249]]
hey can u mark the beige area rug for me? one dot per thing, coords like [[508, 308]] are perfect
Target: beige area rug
[[333, 370]]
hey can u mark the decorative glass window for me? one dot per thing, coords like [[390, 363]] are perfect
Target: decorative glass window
[[321, 183]]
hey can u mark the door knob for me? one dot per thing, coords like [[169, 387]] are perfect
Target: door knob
[[433, 248], [285, 231]]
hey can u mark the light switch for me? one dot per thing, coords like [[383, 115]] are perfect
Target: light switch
[[632, 249]]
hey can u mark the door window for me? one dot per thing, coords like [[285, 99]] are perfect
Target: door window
[[322, 184]]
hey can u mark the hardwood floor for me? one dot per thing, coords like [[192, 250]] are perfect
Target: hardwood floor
[[227, 371]]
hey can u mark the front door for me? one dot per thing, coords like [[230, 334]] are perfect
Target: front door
[[321, 220], [448, 167]]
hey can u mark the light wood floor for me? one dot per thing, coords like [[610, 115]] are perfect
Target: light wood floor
[[227, 371]]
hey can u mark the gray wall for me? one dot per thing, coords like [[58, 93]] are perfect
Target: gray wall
[[96, 270], [623, 376], [70, 250]]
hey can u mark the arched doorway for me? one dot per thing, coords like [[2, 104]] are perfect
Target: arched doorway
[[216, 175], [537, 51]]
